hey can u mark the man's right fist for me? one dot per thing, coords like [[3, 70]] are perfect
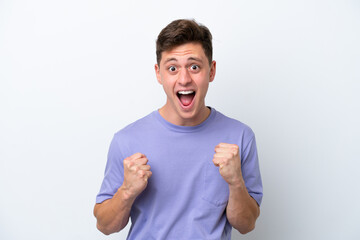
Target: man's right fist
[[136, 174]]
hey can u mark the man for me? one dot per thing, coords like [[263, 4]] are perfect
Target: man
[[204, 177]]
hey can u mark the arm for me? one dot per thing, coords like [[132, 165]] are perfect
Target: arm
[[113, 214], [242, 210]]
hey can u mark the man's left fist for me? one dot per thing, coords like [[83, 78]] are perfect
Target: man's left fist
[[227, 158]]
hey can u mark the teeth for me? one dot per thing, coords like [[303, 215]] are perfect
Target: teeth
[[185, 92]]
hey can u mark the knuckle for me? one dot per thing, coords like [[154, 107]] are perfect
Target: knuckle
[[137, 155], [236, 148], [128, 163], [141, 173]]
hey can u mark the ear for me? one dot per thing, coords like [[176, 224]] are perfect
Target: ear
[[212, 71], [157, 72]]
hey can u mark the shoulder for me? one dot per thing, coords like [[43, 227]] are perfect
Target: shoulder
[[136, 127], [234, 125]]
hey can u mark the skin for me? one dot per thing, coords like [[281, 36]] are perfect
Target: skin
[[184, 67], [113, 214], [242, 210]]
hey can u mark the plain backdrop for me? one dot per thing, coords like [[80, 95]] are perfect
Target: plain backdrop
[[74, 72]]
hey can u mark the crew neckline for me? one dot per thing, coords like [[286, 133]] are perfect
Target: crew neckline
[[178, 128]]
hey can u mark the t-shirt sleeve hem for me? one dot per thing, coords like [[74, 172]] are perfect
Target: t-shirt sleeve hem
[[100, 199], [257, 198]]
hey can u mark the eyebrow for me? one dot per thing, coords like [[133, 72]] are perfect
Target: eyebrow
[[190, 58], [170, 59], [195, 59]]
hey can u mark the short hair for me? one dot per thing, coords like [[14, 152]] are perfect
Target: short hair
[[183, 31]]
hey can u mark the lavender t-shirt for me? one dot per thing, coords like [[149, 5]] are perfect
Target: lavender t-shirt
[[186, 196]]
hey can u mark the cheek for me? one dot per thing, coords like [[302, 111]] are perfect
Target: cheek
[[203, 84], [168, 87]]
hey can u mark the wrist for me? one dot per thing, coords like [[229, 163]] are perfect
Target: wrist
[[126, 194], [237, 184]]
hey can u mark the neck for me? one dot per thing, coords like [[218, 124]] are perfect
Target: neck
[[186, 120]]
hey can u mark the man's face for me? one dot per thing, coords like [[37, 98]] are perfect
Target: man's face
[[185, 74]]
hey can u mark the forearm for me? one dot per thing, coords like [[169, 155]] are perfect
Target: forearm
[[242, 210], [113, 214]]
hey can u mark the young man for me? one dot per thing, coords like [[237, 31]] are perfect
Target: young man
[[204, 177]]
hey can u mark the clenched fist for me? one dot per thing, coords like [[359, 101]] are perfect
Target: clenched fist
[[227, 158], [136, 174]]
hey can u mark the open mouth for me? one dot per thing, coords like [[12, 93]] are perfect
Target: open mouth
[[186, 97]]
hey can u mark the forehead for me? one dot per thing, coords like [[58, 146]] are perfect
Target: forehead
[[184, 52]]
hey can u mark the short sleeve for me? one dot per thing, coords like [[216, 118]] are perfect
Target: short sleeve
[[114, 172], [251, 171]]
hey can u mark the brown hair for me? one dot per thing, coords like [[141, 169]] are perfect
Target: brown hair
[[183, 31]]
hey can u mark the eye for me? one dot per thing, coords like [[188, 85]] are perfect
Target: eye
[[172, 69], [194, 67]]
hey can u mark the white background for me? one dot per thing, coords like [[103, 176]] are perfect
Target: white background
[[74, 72]]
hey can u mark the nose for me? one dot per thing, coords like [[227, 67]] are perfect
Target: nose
[[184, 77]]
